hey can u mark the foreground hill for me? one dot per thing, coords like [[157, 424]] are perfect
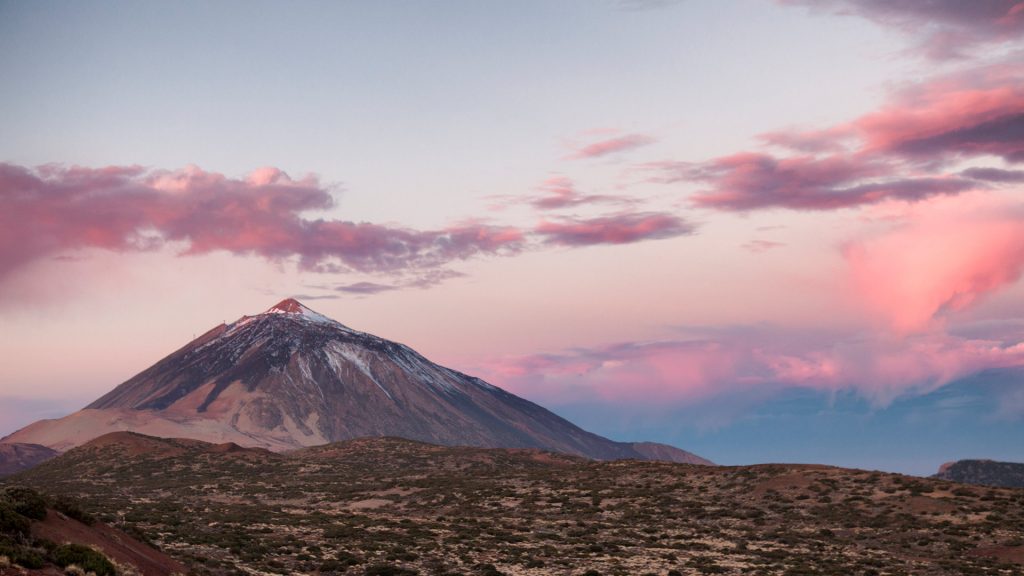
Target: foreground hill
[[984, 472], [372, 506], [52, 537], [15, 457], [290, 377]]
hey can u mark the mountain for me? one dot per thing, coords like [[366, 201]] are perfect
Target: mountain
[[291, 377], [394, 506], [15, 457], [984, 472]]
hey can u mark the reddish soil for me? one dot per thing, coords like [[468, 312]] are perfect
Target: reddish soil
[[115, 544]]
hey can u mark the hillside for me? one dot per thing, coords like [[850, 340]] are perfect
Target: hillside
[[351, 507], [54, 536], [15, 457]]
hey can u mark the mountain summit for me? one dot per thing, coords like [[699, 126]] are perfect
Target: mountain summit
[[291, 377]]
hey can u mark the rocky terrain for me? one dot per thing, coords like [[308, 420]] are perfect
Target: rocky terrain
[[391, 506], [290, 377], [15, 457], [984, 472]]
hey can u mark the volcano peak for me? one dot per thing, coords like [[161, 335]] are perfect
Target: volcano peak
[[287, 306], [295, 309]]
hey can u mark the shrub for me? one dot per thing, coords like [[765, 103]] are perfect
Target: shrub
[[70, 508], [11, 523], [21, 556], [84, 557], [26, 502]]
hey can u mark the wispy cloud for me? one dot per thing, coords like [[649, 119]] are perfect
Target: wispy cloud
[[761, 246], [614, 145], [558, 192], [943, 29], [755, 181], [363, 288], [616, 229]]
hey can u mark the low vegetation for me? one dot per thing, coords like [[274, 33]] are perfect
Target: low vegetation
[[19, 506], [395, 507]]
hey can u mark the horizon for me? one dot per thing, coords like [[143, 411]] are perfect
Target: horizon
[[770, 231]]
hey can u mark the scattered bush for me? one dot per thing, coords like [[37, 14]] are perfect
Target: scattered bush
[[84, 557], [70, 508], [25, 501], [21, 556], [12, 524]]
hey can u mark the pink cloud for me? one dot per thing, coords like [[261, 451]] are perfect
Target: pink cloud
[[53, 210], [959, 116], [680, 372], [897, 152], [946, 256], [944, 28], [617, 229], [612, 146]]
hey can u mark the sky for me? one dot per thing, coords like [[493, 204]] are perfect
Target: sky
[[759, 230]]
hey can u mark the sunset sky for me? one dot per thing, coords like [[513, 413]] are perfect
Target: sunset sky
[[760, 230]]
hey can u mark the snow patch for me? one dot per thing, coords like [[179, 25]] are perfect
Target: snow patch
[[339, 353]]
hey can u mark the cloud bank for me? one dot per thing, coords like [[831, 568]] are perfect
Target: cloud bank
[[52, 211], [735, 365]]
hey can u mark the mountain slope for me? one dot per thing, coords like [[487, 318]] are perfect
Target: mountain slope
[[984, 472], [291, 377]]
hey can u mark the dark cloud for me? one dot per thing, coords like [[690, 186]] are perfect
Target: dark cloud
[[994, 175]]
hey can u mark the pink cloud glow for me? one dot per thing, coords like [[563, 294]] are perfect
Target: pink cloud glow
[[948, 254], [693, 371]]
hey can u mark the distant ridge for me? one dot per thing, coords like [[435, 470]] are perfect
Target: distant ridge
[[17, 456], [291, 377], [983, 472]]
